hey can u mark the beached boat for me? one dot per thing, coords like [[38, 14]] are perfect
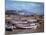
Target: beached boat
[[24, 24]]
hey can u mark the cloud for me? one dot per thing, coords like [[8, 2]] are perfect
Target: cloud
[[29, 0]]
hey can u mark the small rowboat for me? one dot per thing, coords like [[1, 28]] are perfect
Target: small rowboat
[[24, 24]]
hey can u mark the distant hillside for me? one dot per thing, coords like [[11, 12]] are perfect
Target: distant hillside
[[22, 12]]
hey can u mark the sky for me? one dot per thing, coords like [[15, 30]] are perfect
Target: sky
[[36, 7]]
